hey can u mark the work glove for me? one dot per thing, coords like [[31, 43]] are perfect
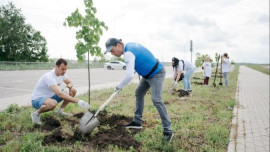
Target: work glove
[[83, 104], [116, 89], [175, 83]]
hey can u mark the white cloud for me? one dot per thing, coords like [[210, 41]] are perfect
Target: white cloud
[[238, 27]]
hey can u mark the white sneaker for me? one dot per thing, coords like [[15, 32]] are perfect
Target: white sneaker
[[83, 104], [64, 114], [36, 118]]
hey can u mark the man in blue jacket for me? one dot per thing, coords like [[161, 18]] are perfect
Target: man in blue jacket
[[140, 59]]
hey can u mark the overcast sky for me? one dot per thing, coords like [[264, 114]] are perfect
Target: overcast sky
[[238, 27]]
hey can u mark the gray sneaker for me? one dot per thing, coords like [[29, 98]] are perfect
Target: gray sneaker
[[64, 114], [133, 125], [36, 118]]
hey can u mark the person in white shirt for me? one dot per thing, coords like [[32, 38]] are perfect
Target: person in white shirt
[[225, 67], [182, 67], [47, 92], [207, 69]]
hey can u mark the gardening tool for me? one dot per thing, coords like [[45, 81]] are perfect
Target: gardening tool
[[214, 83], [89, 121], [171, 88], [220, 82]]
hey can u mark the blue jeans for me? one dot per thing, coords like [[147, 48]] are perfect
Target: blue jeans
[[156, 84], [225, 75], [186, 80], [37, 103]]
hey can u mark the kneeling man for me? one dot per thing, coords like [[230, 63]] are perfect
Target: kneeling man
[[47, 93]]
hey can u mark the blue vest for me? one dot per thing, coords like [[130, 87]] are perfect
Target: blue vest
[[144, 59]]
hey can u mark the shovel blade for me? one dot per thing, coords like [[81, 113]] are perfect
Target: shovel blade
[[88, 123]]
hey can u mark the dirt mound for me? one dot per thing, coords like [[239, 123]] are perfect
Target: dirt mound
[[115, 136], [196, 78], [57, 135], [78, 115], [180, 92], [50, 124], [118, 120], [109, 132], [197, 83], [218, 76]]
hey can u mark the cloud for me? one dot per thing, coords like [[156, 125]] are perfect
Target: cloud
[[239, 27], [265, 40], [192, 20], [264, 19]]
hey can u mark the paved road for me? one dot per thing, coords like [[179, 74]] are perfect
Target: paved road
[[16, 86], [250, 130], [16, 83]]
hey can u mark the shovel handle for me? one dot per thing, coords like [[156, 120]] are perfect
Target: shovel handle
[[171, 88], [106, 103]]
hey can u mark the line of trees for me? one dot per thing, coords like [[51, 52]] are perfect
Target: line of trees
[[19, 41]]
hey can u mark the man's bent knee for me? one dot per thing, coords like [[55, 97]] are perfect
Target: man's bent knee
[[50, 103], [72, 92]]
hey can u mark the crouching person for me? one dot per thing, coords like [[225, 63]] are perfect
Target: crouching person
[[47, 92]]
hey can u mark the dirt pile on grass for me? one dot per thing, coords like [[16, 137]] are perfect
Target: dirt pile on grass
[[51, 124], [218, 76], [109, 132], [180, 92], [197, 83], [196, 78]]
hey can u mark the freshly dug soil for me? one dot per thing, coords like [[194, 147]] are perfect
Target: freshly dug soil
[[109, 132], [51, 124], [180, 92], [196, 78], [197, 83], [218, 76]]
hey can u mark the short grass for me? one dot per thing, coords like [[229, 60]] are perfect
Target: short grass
[[262, 68], [200, 123]]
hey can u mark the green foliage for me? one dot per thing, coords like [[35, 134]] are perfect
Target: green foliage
[[14, 115], [32, 142], [18, 40], [200, 59], [90, 30], [12, 108], [217, 135], [216, 57]]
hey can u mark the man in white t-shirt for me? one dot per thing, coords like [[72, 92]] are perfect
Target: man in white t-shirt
[[47, 92]]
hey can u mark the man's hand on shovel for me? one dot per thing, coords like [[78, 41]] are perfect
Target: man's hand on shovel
[[116, 89]]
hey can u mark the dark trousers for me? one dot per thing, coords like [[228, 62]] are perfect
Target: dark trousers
[[206, 80]]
